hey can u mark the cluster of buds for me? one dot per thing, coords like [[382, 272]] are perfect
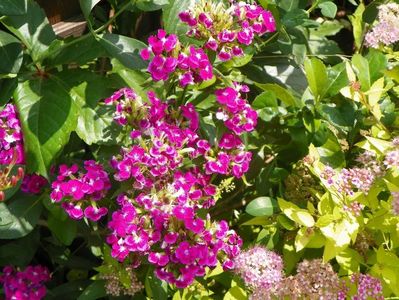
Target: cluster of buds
[[25, 285], [8, 181], [227, 30], [121, 282], [191, 64], [80, 192]]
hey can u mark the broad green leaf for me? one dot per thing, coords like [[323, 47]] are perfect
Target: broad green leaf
[[327, 28], [33, 29], [316, 73], [337, 79], [235, 293], [171, 20], [87, 6], [150, 5], [95, 121], [124, 49], [75, 51], [378, 64], [7, 87], [328, 9], [12, 7], [131, 78], [286, 222], [299, 215], [64, 230], [94, 291], [154, 287], [281, 93], [265, 99], [349, 260], [10, 53], [362, 69], [19, 217], [358, 25], [26, 248], [302, 238], [261, 206], [69, 290], [374, 144], [48, 115]]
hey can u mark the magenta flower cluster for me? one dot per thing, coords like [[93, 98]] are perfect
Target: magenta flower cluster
[[367, 287], [191, 65], [237, 114], [158, 218], [33, 184], [11, 141], [227, 30], [80, 192], [178, 243], [24, 285]]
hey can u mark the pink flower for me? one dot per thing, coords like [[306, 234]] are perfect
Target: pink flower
[[25, 285], [33, 183]]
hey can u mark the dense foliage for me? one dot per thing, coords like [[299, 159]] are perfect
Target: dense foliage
[[200, 150]]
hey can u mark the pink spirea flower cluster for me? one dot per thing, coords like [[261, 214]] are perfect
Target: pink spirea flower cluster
[[227, 30], [260, 268], [386, 31], [158, 218], [11, 141], [24, 285], [395, 203], [33, 183], [367, 287], [80, 191], [191, 65]]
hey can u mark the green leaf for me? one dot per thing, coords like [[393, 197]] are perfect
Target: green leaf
[[48, 115], [155, 288], [328, 9], [281, 93], [299, 215], [124, 49], [358, 25], [10, 53], [171, 20], [151, 5], [131, 78], [76, 51], [33, 29], [337, 79], [235, 293], [302, 238], [265, 99], [19, 217], [26, 248], [261, 206], [94, 291], [316, 73], [64, 230], [69, 290], [95, 121], [12, 7], [87, 6]]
